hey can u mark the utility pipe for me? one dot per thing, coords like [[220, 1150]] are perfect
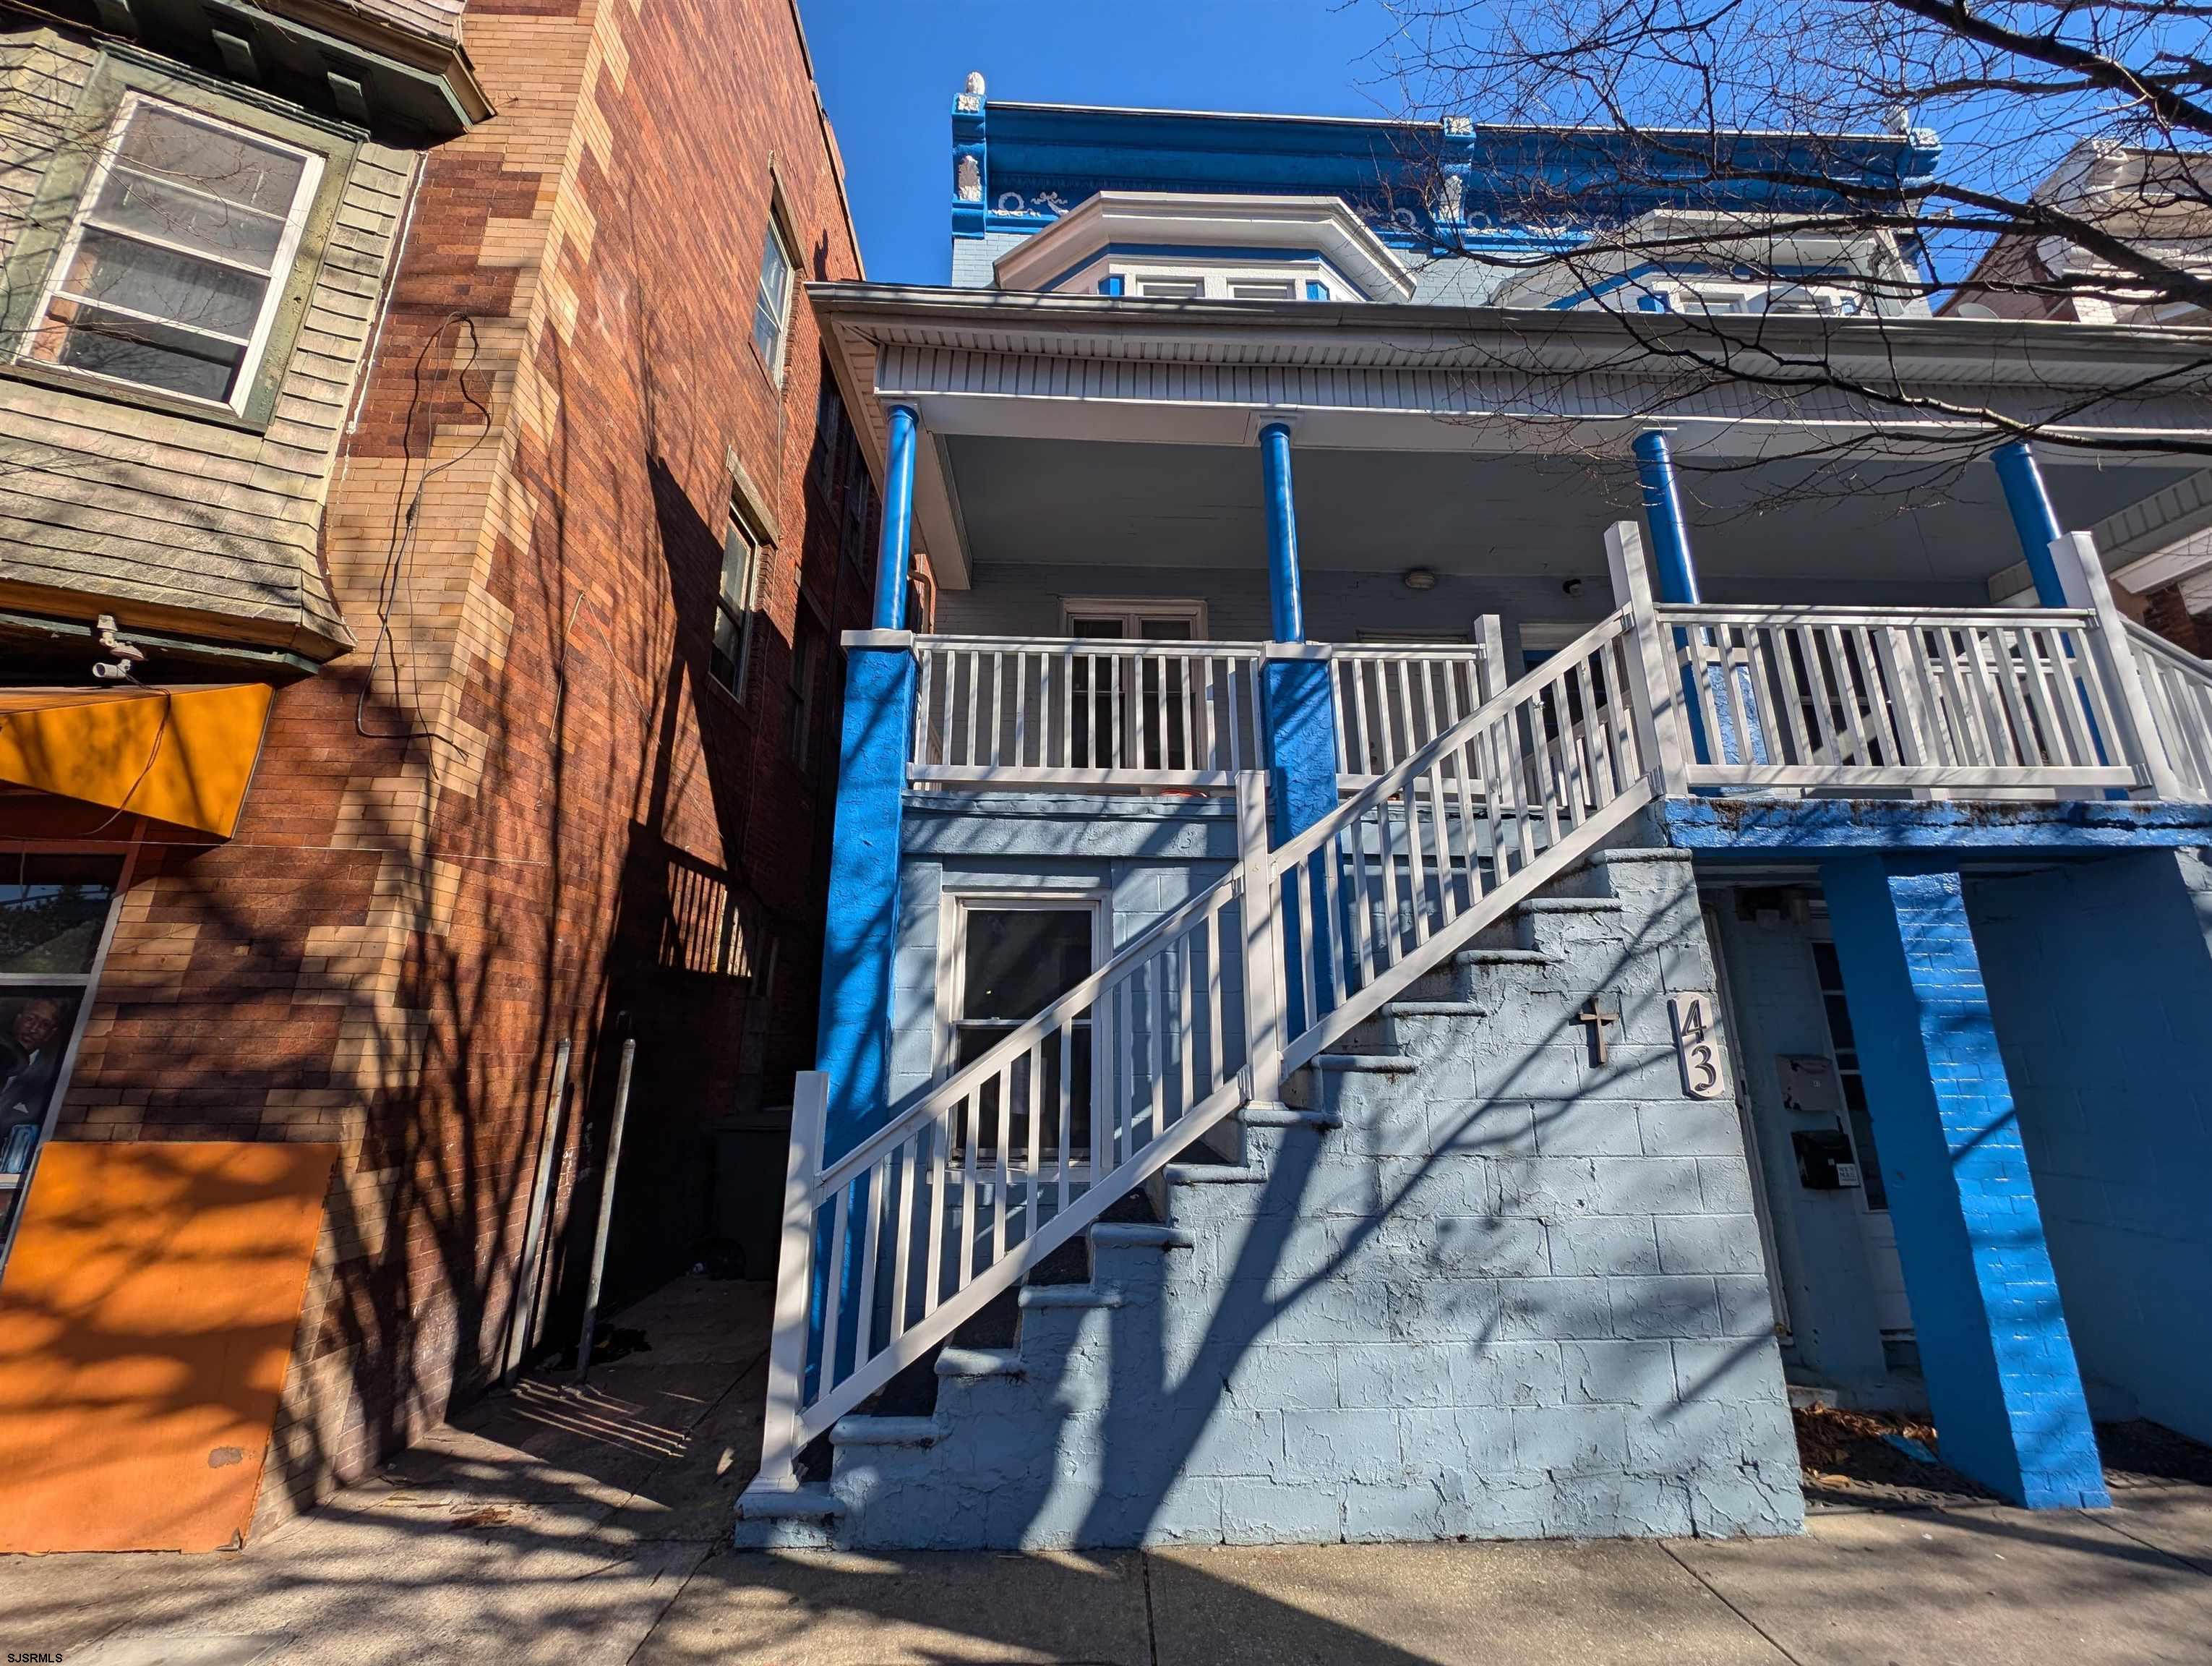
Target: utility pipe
[[606, 1212]]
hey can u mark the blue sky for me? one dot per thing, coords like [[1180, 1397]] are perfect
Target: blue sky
[[888, 69]]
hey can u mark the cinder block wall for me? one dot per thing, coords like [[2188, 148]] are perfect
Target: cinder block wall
[[1515, 1294], [2099, 976]]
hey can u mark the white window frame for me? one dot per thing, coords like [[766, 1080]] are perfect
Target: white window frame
[[774, 361], [88, 982], [1133, 612], [954, 905], [1756, 299], [741, 526], [279, 274], [1217, 283]]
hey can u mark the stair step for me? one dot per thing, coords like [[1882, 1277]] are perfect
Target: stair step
[[1069, 1295], [1388, 1064], [1572, 905], [856, 1430], [1139, 1237], [980, 1362], [789, 1504], [1506, 957], [1437, 1009], [1287, 1117], [1215, 1174]]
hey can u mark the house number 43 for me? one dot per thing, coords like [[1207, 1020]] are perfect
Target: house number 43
[[1705, 1074]]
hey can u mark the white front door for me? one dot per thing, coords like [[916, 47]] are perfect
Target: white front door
[[1884, 1269]]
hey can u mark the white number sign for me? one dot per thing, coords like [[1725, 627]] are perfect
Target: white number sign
[[1697, 1045]]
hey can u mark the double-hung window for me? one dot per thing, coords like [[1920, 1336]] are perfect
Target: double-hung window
[[733, 607], [772, 298], [1006, 958], [175, 263]]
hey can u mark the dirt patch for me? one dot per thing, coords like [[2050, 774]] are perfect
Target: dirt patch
[[1854, 1459], [2146, 1454], [1885, 1461]]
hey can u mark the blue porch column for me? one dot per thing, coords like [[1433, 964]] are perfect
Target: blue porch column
[[1662, 518], [2001, 1377], [2033, 518], [1296, 693], [853, 1038], [1678, 584]]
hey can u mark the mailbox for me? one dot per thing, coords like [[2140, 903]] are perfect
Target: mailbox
[[1825, 1163]]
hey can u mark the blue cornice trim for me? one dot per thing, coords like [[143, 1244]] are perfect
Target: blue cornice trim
[[1761, 830], [1063, 156]]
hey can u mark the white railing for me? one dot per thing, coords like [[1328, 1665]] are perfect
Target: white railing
[[2178, 688], [1896, 698], [891, 1246], [1393, 701], [1037, 712], [1413, 864], [888, 1249]]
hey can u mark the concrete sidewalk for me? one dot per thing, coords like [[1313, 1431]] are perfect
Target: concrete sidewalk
[[559, 1527]]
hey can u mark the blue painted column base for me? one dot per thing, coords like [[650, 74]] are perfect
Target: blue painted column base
[[2003, 1381], [1298, 702], [853, 1038]]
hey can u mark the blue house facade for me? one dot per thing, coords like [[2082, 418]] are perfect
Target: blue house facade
[[1438, 902]]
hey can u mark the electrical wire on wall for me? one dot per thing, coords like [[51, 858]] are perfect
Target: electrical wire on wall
[[401, 546]]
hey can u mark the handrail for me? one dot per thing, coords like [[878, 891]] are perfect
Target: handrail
[[1016, 1042], [1386, 786], [1795, 613], [2173, 652]]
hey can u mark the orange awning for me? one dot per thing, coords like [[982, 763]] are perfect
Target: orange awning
[[177, 754]]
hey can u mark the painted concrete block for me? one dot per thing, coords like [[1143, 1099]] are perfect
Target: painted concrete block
[[1588, 1127], [1598, 1245], [1709, 1244], [1507, 1373], [1739, 1368], [1618, 1372], [1554, 1310], [1571, 1439], [1255, 1512], [1338, 1445], [1471, 1440], [1666, 1307]]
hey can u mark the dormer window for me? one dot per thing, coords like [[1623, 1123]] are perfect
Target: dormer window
[[1172, 246], [1706, 296], [1302, 281]]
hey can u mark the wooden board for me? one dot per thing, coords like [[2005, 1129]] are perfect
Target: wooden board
[[146, 1316]]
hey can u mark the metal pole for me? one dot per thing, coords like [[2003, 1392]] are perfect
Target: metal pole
[[606, 1212], [523, 1315]]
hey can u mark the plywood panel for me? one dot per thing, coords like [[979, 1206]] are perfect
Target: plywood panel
[[146, 1316]]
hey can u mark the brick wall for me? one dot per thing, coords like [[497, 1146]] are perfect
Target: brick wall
[[459, 846]]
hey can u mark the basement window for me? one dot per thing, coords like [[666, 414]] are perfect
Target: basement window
[[1004, 959], [177, 258]]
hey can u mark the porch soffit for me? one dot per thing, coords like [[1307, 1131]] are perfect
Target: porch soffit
[[1465, 363], [1386, 377]]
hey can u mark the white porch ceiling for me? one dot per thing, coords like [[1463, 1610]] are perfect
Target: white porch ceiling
[[1071, 503]]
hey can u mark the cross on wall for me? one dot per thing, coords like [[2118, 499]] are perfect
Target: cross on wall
[[1597, 1019]]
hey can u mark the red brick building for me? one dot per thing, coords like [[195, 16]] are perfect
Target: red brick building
[[549, 756]]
